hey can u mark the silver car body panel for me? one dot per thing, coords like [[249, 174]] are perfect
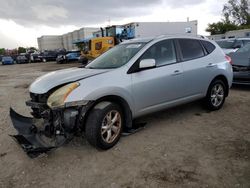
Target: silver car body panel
[[148, 90]]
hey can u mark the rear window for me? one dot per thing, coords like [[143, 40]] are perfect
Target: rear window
[[191, 49], [208, 46]]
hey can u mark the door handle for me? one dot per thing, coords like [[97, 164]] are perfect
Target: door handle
[[211, 65], [176, 72]]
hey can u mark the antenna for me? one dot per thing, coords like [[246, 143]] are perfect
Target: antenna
[[109, 21]]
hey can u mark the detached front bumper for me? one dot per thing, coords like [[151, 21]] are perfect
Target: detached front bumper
[[28, 136]]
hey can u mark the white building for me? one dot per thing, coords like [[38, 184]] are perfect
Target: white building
[[52, 42], [49, 42], [149, 29], [137, 29], [243, 33]]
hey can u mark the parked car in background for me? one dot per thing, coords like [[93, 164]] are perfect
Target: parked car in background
[[83, 60], [68, 57], [48, 56], [14, 57], [1, 57], [7, 60], [135, 78], [22, 59], [241, 65], [61, 59], [35, 57], [232, 45]]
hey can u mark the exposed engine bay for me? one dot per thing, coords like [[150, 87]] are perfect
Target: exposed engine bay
[[49, 128]]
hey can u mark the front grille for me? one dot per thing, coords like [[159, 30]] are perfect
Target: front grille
[[40, 98], [241, 68]]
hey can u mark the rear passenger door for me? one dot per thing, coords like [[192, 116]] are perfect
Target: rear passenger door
[[197, 67]]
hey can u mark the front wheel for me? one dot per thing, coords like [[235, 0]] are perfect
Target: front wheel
[[104, 125], [216, 95]]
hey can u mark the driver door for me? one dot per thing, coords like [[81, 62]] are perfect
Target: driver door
[[156, 87]]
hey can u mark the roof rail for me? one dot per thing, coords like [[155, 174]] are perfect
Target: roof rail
[[199, 36]]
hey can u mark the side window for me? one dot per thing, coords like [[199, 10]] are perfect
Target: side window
[[98, 46], [208, 46], [191, 49], [163, 52]]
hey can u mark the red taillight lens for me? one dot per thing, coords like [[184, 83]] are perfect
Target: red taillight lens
[[229, 59]]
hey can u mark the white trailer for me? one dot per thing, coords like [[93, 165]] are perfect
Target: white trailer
[[149, 29]]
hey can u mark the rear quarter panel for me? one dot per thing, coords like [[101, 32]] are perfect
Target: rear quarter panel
[[223, 66]]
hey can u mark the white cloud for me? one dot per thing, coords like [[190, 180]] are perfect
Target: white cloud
[[17, 35], [206, 12], [46, 12], [22, 23]]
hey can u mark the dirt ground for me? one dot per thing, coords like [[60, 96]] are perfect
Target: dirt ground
[[181, 147]]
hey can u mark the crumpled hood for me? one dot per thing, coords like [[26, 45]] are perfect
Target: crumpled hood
[[48, 81]]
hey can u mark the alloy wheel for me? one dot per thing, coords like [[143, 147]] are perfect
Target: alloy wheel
[[217, 95], [111, 126]]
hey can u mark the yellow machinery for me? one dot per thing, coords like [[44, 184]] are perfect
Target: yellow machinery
[[94, 47], [98, 46]]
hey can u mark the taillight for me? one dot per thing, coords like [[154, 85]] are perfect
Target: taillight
[[229, 59]]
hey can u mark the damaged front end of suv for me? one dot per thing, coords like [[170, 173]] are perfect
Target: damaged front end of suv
[[54, 121]]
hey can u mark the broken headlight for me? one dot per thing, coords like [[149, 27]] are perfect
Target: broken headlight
[[57, 98]]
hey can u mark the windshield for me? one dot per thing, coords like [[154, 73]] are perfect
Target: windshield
[[116, 57], [227, 44], [246, 48]]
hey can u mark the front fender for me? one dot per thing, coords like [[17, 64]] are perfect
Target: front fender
[[93, 95]]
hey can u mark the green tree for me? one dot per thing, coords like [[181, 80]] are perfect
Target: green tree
[[2, 51], [236, 15], [237, 12], [220, 28], [21, 50], [80, 46], [32, 48]]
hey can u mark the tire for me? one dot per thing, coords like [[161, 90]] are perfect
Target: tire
[[98, 123], [216, 95], [84, 61], [44, 60]]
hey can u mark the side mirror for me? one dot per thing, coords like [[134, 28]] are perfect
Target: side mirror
[[147, 63]]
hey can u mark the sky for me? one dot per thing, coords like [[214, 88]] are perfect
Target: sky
[[22, 21]]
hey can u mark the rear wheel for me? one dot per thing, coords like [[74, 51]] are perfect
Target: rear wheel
[[104, 125], [216, 95]]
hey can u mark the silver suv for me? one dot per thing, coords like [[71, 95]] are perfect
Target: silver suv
[[135, 78]]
